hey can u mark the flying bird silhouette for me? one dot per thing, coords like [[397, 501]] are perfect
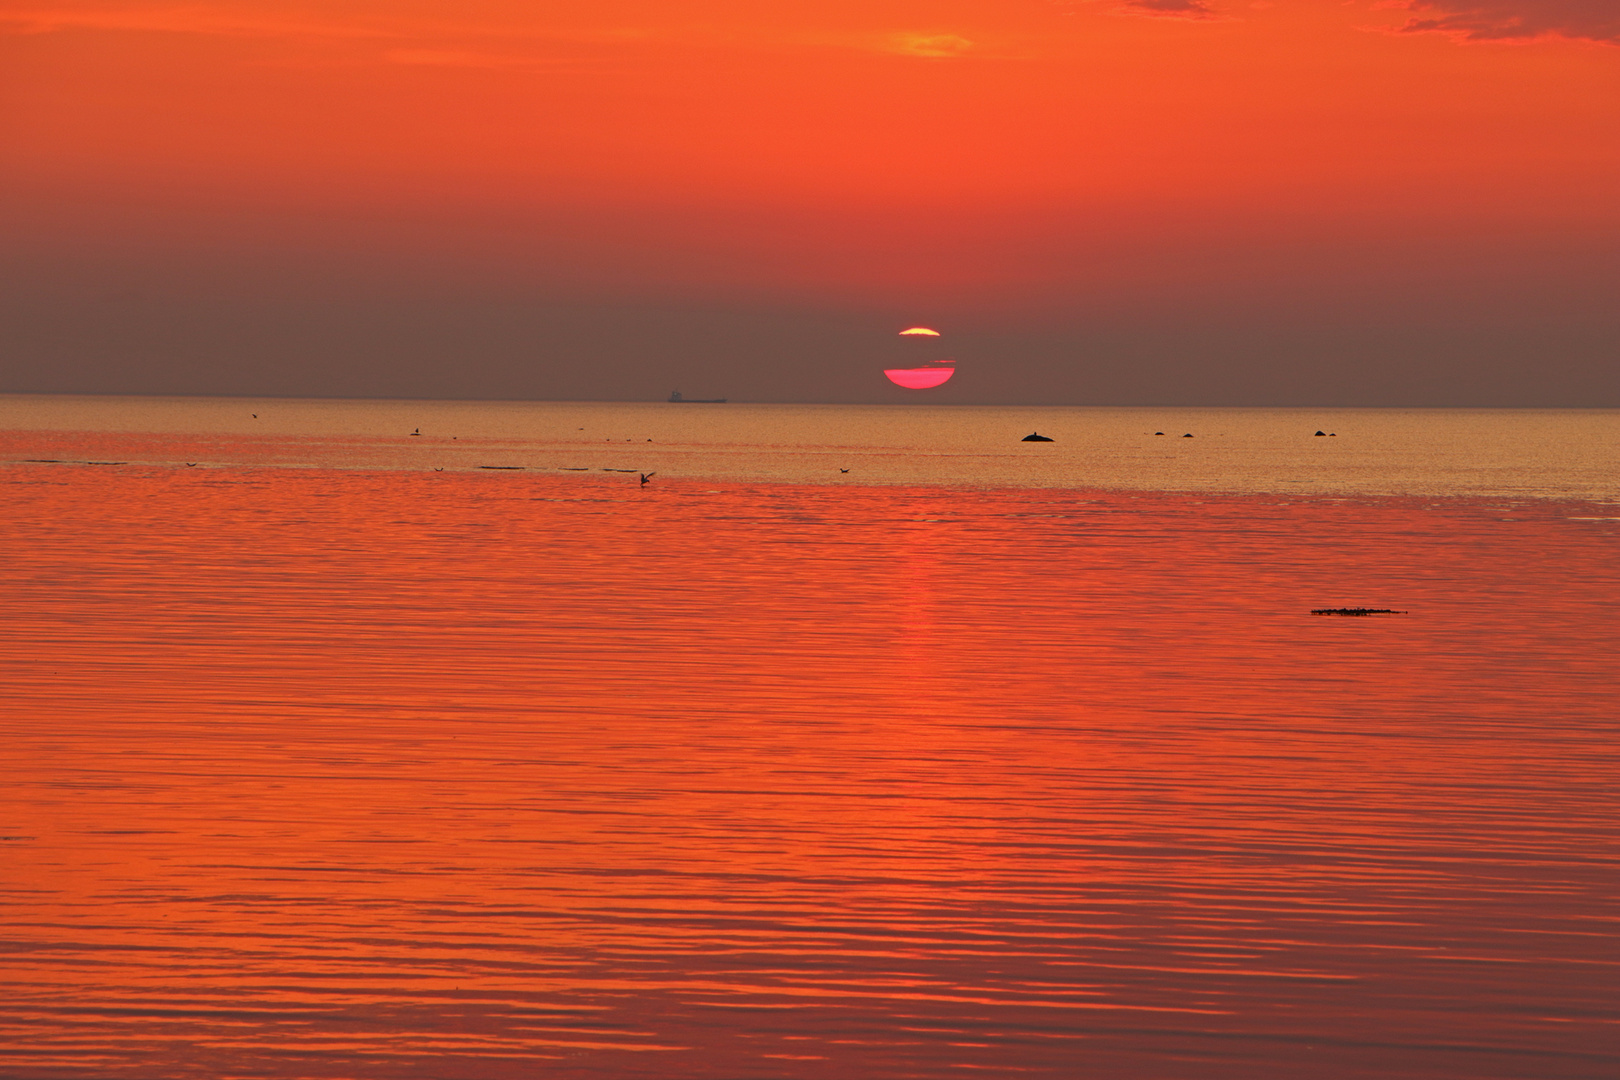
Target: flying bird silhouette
[[647, 476]]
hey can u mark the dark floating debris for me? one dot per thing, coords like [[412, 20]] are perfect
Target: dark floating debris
[[503, 466], [1356, 611], [1035, 436]]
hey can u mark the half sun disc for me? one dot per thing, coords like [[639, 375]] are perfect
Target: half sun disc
[[919, 378]]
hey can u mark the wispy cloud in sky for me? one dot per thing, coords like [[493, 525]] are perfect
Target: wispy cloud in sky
[[1170, 9], [179, 20], [1159, 9], [1517, 20], [931, 45]]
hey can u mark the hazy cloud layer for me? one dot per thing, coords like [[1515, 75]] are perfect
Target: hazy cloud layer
[[1175, 9], [1511, 20]]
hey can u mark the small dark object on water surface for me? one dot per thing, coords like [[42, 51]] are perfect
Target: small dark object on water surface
[[1187, 436], [1319, 434], [1356, 611], [1035, 436], [503, 466]]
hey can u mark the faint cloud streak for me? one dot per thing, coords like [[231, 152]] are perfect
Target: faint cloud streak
[[1516, 20], [1156, 9], [175, 20], [1169, 9], [469, 58], [203, 22], [936, 46]]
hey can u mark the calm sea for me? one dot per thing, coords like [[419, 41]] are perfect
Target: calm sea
[[1023, 759]]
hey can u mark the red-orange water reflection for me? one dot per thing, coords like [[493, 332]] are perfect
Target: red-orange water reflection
[[326, 774]]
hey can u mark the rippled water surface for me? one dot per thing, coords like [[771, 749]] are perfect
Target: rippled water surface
[[377, 771]]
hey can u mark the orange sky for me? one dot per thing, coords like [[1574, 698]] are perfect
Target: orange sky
[[941, 162]]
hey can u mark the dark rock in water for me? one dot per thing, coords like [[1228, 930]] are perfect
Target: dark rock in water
[[1355, 611], [1321, 433], [1034, 437]]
